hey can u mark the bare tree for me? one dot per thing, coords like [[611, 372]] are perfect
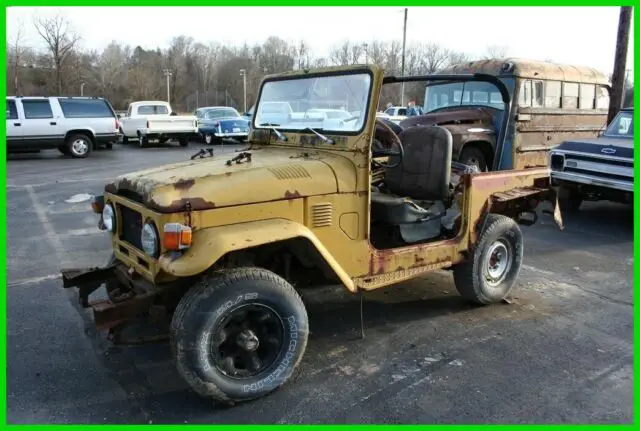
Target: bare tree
[[60, 39], [496, 51], [17, 56]]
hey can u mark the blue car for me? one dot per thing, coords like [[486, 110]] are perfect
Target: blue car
[[216, 123]]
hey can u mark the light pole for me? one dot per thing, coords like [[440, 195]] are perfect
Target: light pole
[[168, 73], [243, 73], [404, 42], [82, 89]]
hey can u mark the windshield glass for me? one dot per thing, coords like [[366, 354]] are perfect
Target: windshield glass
[[470, 93], [329, 103], [621, 126], [221, 113]]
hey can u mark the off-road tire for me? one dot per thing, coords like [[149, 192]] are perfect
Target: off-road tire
[[204, 307], [73, 143], [184, 142], [108, 146], [471, 155], [469, 275], [569, 199], [142, 141]]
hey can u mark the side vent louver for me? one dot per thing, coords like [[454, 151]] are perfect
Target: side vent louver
[[322, 215], [290, 172]]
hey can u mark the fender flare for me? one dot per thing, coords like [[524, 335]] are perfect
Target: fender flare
[[210, 244]]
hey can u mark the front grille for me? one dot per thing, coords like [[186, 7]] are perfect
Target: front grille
[[131, 226]]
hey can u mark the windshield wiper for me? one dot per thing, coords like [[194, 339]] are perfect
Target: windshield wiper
[[324, 138], [272, 126]]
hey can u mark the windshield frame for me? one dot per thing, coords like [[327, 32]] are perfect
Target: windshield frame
[[322, 74], [616, 119]]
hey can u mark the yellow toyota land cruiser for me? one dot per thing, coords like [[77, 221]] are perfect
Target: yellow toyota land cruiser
[[214, 242]]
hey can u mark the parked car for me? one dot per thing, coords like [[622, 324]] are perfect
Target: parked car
[[216, 123], [148, 120], [73, 125], [597, 168], [393, 113]]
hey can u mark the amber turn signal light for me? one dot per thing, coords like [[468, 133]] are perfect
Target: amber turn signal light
[[176, 236]]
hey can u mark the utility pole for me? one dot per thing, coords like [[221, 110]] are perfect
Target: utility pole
[[168, 73], [82, 89], [404, 43], [366, 53], [243, 73], [620, 62]]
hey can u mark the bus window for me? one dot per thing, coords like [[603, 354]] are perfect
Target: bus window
[[570, 91], [602, 97], [587, 96], [537, 100], [525, 94], [551, 94]]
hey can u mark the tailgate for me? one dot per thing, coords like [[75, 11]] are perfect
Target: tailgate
[[172, 124]]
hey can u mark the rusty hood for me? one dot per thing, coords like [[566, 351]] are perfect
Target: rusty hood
[[449, 117], [272, 174]]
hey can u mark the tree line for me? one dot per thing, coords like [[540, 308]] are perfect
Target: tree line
[[199, 74]]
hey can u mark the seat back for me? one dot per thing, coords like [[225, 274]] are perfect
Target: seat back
[[425, 171]]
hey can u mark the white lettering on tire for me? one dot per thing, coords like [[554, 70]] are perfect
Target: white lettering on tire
[[286, 361]]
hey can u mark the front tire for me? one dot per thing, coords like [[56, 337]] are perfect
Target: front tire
[[239, 334], [490, 272]]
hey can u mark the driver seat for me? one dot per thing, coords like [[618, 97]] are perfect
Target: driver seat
[[424, 174]]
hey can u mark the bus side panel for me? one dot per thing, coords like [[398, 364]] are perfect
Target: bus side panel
[[538, 130]]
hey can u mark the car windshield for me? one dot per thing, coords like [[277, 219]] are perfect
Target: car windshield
[[330, 103], [220, 113], [470, 93], [621, 126]]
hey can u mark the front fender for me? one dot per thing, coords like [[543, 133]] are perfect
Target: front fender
[[211, 244]]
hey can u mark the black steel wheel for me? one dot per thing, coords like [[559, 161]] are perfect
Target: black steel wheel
[[239, 334]]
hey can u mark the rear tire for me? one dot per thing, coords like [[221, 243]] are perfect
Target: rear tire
[[215, 351], [142, 141], [490, 272], [184, 142], [78, 145]]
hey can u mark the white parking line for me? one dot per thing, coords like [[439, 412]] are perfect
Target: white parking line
[[32, 280], [82, 232], [51, 235]]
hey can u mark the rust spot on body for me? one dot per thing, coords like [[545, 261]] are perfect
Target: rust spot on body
[[184, 184], [292, 195], [197, 204]]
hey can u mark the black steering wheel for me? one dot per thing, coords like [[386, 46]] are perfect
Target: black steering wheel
[[384, 141]]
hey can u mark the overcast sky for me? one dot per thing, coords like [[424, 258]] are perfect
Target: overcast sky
[[576, 35]]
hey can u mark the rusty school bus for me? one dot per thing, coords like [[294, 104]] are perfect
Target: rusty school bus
[[551, 103]]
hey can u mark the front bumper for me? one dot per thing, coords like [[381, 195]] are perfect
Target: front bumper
[[592, 180], [128, 296]]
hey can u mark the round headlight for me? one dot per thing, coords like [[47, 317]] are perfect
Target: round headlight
[[149, 240], [109, 217]]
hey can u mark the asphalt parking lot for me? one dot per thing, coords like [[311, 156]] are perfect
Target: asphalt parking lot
[[561, 352]]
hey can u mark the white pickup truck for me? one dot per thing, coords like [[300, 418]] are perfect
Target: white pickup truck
[[148, 120]]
